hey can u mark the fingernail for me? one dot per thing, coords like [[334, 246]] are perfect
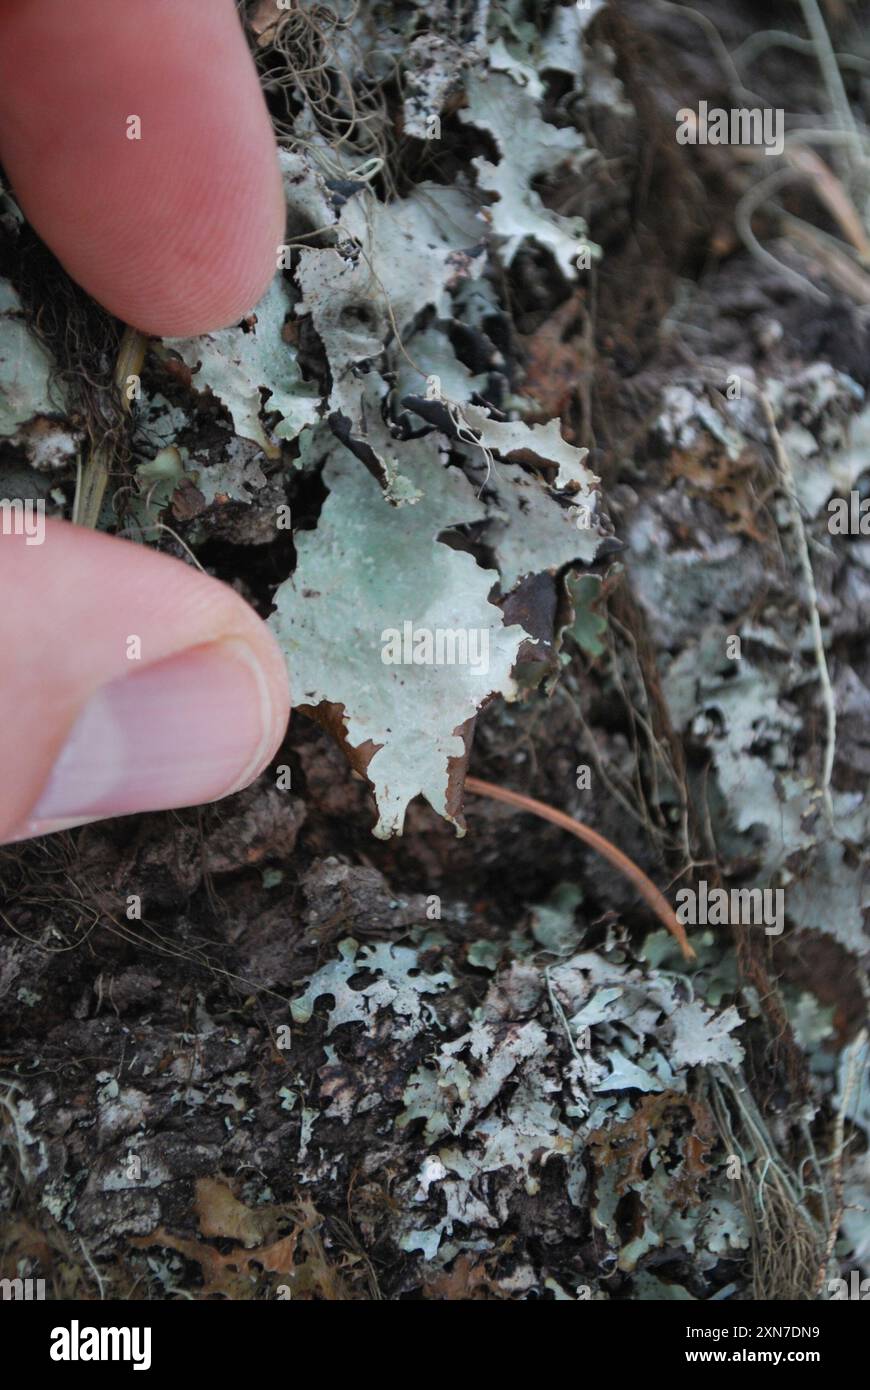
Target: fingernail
[[180, 732]]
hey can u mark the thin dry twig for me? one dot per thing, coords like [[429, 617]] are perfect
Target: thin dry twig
[[647, 890], [837, 1181], [832, 193], [785, 470]]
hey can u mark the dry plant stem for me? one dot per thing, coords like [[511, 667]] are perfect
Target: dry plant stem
[[94, 477], [758, 43], [717, 43], [833, 80], [785, 1238], [838, 264], [785, 469], [647, 890], [161, 526], [833, 195], [749, 203], [837, 1183]]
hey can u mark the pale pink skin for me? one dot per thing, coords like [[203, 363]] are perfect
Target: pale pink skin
[[175, 233]]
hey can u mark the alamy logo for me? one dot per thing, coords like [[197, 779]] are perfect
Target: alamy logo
[[439, 646], [849, 516], [23, 518], [857, 1289], [75, 1343], [739, 126], [717, 907], [24, 1289]]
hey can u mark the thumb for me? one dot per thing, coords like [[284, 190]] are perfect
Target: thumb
[[130, 683]]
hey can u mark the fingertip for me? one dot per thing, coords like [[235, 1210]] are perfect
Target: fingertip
[[147, 163]]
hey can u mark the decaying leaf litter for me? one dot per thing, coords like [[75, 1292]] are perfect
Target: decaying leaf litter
[[455, 1067]]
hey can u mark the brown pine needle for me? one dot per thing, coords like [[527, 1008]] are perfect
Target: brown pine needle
[[648, 891]]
